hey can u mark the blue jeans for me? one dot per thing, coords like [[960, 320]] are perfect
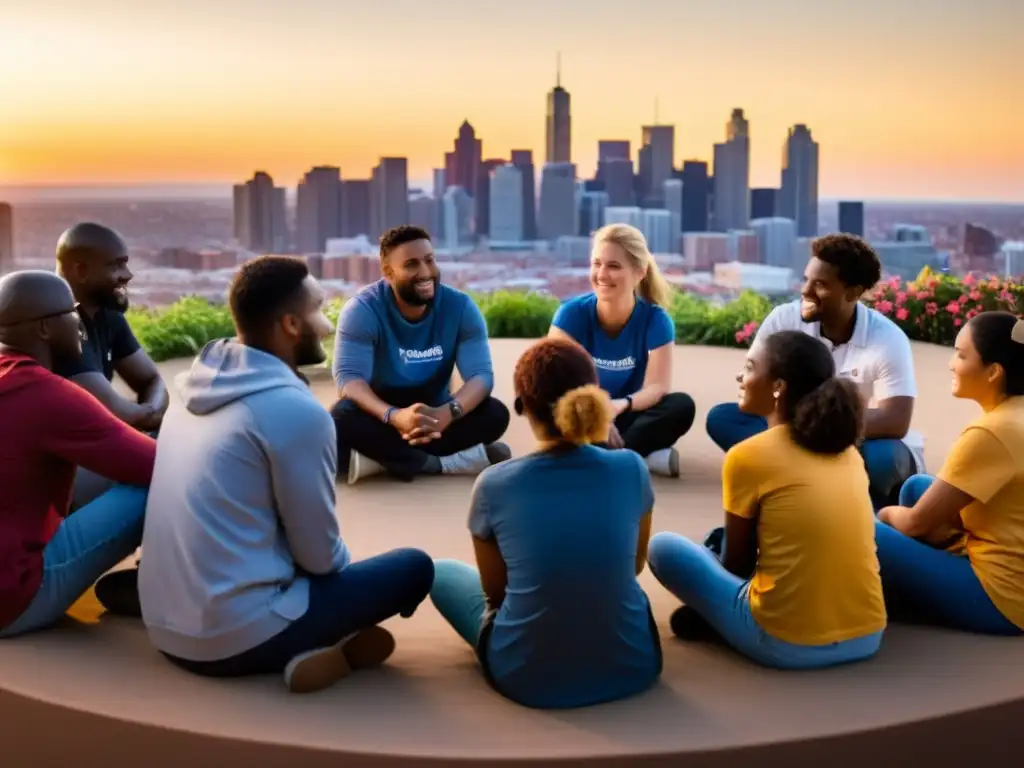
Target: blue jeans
[[459, 597], [693, 574], [358, 596], [87, 544], [931, 584], [889, 462]]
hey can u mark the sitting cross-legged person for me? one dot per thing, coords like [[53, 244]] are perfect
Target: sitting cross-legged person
[[798, 584], [624, 326], [868, 348], [244, 570], [555, 612], [398, 343], [49, 427], [953, 552]]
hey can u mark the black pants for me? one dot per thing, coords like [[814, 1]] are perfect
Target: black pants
[[362, 432], [659, 426]]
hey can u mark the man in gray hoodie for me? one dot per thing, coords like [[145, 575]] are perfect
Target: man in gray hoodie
[[243, 569]]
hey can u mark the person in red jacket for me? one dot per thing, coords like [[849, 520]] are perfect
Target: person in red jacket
[[48, 428]]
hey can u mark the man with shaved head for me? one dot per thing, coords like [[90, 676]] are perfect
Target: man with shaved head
[[93, 259], [48, 427]]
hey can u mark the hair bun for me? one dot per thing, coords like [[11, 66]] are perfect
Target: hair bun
[[584, 415], [1017, 333]]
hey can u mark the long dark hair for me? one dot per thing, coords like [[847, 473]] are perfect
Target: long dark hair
[[999, 339], [825, 413]]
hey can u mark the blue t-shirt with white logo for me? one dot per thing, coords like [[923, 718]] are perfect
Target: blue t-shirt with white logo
[[375, 343], [621, 361], [575, 626]]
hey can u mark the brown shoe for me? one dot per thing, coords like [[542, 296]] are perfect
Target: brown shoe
[[322, 667]]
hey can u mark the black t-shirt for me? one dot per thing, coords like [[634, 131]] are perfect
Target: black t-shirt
[[107, 339]]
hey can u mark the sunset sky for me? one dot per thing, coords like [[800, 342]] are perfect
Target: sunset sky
[[908, 99]]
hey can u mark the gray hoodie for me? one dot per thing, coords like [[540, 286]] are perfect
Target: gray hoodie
[[241, 506]]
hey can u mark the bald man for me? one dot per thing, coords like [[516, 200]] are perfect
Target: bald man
[[48, 427], [93, 259]]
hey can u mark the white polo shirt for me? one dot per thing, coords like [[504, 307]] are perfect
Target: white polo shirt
[[878, 358]]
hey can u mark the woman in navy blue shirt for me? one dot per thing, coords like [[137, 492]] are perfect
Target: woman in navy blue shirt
[[625, 328], [553, 607]]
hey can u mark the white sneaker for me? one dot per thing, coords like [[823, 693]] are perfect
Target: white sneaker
[[664, 462], [323, 667], [471, 461], [360, 467]]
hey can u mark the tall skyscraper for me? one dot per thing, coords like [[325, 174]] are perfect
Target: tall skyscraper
[[259, 215], [613, 149], [656, 224], [732, 175], [355, 208], [424, 211], [776, 241], [389, 194], [851, 217], [696, 195], [672, 194], [483, 196], [458, 217], [656, 161], [763, 202], [559, 121], [523, 160], [557, 201], [318, 209], [505, 198], [462, 164], [798, 196], [6, 239], [592, 208], [440, 183]]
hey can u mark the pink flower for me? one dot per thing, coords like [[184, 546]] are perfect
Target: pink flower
[[931, 308], [884, 306], [974, 295], [901, 298], [958, 321], [953, 308], [902, 313], [973, 313], [922, 295], [970, 279]]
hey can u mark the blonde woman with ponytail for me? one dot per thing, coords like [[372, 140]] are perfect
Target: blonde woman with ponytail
[[560, 536], [624, 325]]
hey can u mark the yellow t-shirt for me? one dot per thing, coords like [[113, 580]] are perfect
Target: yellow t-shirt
[[817, 577], [987, 463]]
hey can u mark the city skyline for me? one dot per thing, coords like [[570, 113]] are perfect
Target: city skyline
[[207, 95]]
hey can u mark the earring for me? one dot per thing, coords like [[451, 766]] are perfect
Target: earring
[[776, 395]]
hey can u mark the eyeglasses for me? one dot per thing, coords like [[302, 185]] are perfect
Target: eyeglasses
[[49, 316]]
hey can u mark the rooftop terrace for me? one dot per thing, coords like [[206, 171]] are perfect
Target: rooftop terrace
[[100, 693]]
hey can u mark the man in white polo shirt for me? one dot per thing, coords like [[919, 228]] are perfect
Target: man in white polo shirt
[[867, 347]]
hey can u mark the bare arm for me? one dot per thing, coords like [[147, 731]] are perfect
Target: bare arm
[[642, 541], [142, 376], [657, 381], [473, 360], [740, 556], [137, 415], [554, 332], [937, 511], [891, 419]]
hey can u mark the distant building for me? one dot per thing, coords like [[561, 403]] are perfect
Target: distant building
[[618, 179], [908, 250], [423, 212], [1013, 258], [318, 209], [574, 251], [6, 239], [702, 250], [761, 278], [672, 194], [592, 208], [557, 201], [798, 195], [743, 246], [259, 214], [732, 176], [631, 215], [195, 261], [389, 194], [458, 218], [696, 196], [355, 208], [980, 248], [763, 203], [462, 165], [558, 122], [776, 241], [657, 155], [523, 160], [482, 201], [505, 197], [613, 149], [851, 217], [658, 227]]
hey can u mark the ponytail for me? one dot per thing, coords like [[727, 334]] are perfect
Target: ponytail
[[829, 419], [584, 415], [654, 287]]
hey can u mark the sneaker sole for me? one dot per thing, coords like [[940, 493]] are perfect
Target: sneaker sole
[[323, 667], [673, 463]]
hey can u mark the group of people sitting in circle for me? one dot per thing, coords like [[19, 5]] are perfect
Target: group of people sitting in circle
[[830, 526]]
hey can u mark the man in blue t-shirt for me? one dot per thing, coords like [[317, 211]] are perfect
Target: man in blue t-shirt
[[398, 342]]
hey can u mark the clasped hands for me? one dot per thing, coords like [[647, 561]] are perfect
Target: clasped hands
[[419, 424]]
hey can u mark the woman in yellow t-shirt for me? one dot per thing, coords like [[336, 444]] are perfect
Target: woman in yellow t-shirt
[[953, 552], [798, 516]]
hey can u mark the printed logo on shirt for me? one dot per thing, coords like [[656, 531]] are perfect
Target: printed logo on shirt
[[625, 364], [431, 355]]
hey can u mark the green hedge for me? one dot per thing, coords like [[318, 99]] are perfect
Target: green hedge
[[931, 308]]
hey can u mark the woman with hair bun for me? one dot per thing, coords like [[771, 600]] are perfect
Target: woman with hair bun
[[953, 552], [553, 608], [624, 325], [797, 586]]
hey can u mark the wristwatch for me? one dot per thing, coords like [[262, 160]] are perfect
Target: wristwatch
[[456, 409], [629, 403]]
